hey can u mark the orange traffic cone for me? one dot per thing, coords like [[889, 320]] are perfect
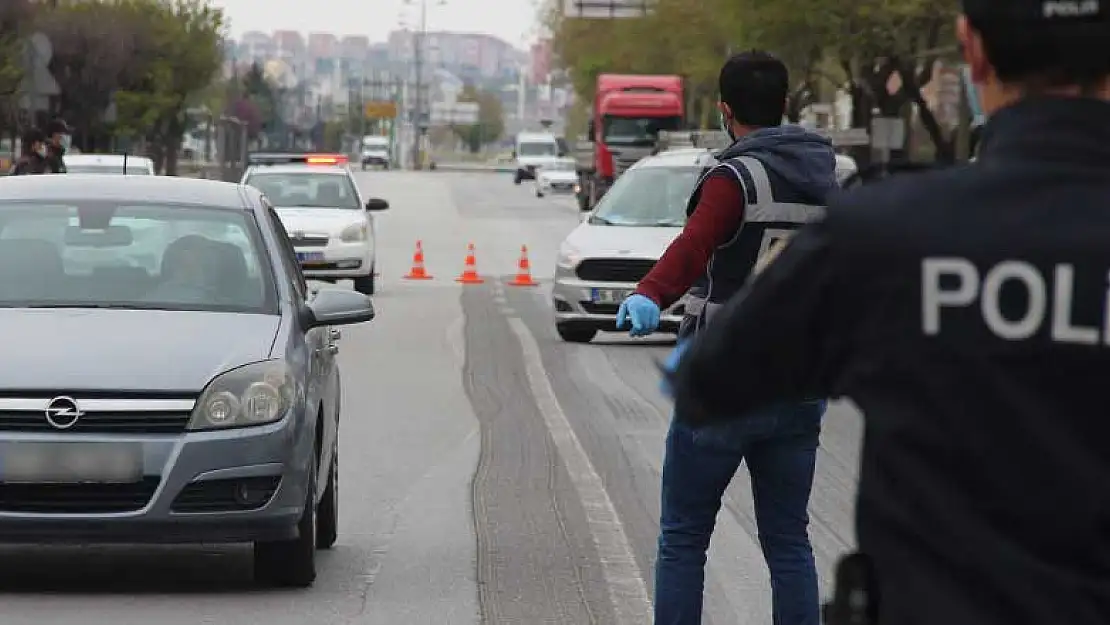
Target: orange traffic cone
[[470, 271], [524, 271], [417, 272]]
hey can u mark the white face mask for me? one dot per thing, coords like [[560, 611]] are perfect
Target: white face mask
[[41, 151], [66, 141]]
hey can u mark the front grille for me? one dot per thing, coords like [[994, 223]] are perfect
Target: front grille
[[614, 269], [600, 309], [309, 241], [247, 493], [100, 422], [562, 186], [99, 412], [345, 265], [77, 498]]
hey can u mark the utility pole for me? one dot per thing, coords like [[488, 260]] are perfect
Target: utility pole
[[418, 65]]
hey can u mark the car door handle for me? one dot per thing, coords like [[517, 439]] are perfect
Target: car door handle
[[335, 334], [332, 348]]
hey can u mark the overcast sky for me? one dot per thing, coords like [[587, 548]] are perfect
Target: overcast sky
[[512, 20]]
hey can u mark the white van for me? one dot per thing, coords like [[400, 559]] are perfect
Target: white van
[[533, 150], [375, 152]]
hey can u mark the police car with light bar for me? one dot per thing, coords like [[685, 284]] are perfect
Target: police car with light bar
[[330, 224]]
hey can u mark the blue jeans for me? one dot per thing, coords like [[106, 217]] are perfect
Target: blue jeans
[[780, 447]]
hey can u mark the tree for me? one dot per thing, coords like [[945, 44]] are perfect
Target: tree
[[15, 16], [262, 95], [491, 119], [93, 48]]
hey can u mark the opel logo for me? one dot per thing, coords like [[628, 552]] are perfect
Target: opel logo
[[62, 413]]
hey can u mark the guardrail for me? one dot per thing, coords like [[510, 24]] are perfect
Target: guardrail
[[491, 168]]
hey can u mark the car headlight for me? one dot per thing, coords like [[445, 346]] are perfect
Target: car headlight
[[353, 233], [254, 394], [569, 256]]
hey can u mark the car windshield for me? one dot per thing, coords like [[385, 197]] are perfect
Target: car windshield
[[542, 148], [636, 131], [306, 189], [139, 256], [137, 170], [648, 196]]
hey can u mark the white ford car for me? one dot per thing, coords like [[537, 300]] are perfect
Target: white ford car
[[329, 223]]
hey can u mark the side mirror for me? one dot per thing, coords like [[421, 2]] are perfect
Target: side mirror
[[377, 204], [337, 307]]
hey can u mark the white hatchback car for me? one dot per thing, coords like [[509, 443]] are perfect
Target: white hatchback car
[[329, 223]]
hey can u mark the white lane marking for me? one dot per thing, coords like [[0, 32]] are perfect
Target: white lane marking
[[508, 311], [624, 580]]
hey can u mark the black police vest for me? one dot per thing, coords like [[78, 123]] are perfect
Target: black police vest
[[769, 218]]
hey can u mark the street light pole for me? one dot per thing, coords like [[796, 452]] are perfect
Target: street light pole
[[418, 64]]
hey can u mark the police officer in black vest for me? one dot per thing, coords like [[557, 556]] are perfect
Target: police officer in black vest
[[965, 311]]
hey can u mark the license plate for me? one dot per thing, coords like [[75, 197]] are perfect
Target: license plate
[[70, 463], [609, 296], [310, 258]]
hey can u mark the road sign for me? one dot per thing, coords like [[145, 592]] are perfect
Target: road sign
[[381, 109], [607, 9], [853, 137], [462, 113]]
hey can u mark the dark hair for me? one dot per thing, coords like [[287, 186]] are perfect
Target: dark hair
[[754, 85], [1046, 56], [58, 126]]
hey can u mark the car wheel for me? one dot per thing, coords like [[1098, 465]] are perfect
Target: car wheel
[[291, 563], [365, 284], [539, 193], [575, 333], [516, 178], [327, 513]]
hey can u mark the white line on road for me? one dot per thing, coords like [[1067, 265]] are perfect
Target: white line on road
[[624, 580]]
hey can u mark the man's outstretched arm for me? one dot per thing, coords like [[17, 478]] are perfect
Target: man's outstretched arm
[[783, 338]]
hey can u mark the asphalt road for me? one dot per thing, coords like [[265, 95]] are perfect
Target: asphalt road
[[490, 473]]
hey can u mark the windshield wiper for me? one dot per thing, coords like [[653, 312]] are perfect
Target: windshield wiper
[[668, 222], [600, 221]]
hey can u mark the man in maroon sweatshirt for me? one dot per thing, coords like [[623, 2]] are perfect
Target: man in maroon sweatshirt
[[770, 182]]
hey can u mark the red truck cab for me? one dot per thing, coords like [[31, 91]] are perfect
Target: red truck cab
[[628, 113]]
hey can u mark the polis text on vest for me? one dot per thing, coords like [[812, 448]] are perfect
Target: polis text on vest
[[954, 282]]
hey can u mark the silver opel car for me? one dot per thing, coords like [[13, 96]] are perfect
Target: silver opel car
[[617, 244], [170, 377]]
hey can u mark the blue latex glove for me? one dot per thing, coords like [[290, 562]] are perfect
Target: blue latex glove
[[643, 313], [671, 365]]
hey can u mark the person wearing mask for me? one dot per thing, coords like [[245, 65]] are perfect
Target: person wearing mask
[[965, 311], [59, 137], [771, 181], [32, 159]]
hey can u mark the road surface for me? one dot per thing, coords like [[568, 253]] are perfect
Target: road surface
[[490, 473]]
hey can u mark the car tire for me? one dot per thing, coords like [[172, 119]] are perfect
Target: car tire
[[365, 284], [583, 203], [516, 178], [539, 193], [291, 563], [327, 513], [572, 333]]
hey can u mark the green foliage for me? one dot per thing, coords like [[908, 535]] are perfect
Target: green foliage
[[152, 59], [826, 43], [491, 119], [15, 16]]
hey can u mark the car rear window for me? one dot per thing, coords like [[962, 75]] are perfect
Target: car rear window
[[129, 255]]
